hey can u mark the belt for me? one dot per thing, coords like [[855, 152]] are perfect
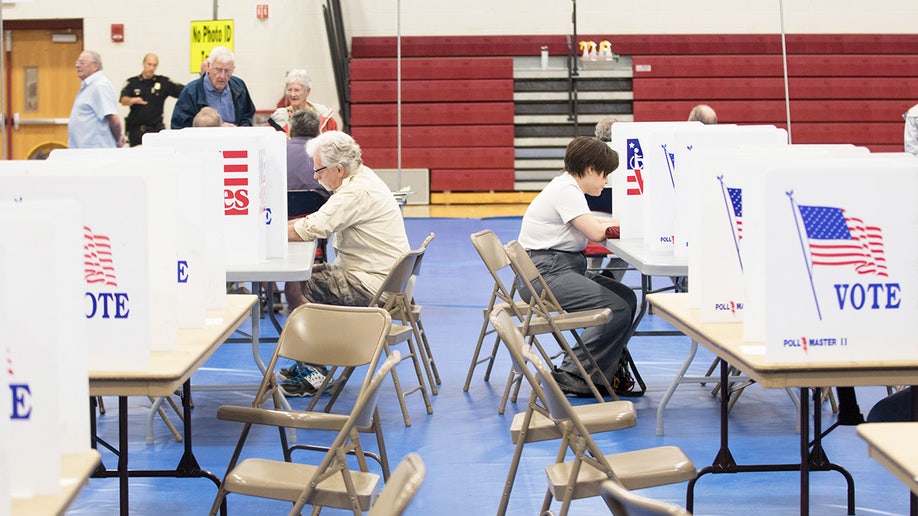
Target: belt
[[532, 252]]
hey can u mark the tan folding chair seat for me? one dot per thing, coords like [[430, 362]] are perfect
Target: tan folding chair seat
[[536, 424], [400, 488], [581, 477], [546, 315], [331, 483], [623, 502]]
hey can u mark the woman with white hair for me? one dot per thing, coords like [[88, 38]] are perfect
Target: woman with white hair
[[296, 94]]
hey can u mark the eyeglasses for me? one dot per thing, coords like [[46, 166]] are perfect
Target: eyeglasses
[[319, 170], [222, 71]]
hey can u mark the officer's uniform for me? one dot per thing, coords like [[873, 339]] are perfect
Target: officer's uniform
[[147, 118]]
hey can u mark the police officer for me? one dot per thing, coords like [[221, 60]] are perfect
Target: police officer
[[145, 94]]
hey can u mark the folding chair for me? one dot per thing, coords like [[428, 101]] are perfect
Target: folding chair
[[581, 477], [393, 297], [341, 336], [430, 367], [623, 502], [492, 253], [400, 487], [545, 315], [331, 483], [535, 424]]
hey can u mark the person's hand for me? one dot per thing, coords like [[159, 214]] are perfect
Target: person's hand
[[138, 100], [613, 232], [122, 140]]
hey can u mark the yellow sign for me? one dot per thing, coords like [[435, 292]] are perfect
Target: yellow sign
[[205, 35]]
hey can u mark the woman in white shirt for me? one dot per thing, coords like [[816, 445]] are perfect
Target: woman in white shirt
[[555, 230]]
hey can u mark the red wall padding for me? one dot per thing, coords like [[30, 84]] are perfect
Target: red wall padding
[[467, 113], [432, 68], [773, 66], [478, 90], [441, 157], [436, 136]]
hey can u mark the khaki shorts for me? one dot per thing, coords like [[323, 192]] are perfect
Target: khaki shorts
[[333, 286]]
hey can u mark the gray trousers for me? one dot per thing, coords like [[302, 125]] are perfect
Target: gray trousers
[[577, 290]]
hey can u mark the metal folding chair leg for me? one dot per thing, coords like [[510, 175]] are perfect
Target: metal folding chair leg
[[476, 359]]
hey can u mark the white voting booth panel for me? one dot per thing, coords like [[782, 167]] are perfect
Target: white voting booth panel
[[5, 444], [177, 198], [634, 142], [688, 142], [841, 260], [39, 254], [115, 262], [718, 247], [253, 185], [161, 216]]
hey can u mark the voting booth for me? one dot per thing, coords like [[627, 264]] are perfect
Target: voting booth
[[45, 355], [253, 185], [178, 199], [688, 142], [718, 247], [833, 262], [635, 142], [117, 275]]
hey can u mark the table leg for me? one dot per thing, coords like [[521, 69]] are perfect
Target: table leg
[[123, 454], [805, 449]]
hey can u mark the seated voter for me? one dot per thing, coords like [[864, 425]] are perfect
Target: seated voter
[[369, 237], [556, 228]]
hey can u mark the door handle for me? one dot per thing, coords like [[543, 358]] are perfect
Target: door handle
[[18, 120]]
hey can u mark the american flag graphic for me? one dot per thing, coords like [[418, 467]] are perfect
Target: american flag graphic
[[736, 203], [837, 239], [635, 163], [97, 259], [235, 179]]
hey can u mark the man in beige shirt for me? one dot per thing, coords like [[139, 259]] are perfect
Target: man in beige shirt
[[369, 237]]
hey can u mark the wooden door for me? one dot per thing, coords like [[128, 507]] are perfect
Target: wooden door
[[42, 83]]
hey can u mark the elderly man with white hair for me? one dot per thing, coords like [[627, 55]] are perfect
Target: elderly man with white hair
[[94, 120], [219, 89], [369, 237]]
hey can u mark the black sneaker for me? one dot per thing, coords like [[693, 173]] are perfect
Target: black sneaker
[[297, 389], [571, 385], [307, 383]]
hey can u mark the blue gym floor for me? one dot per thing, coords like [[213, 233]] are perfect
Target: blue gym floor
[[466, 445]]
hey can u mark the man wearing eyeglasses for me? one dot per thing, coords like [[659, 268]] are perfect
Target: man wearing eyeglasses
[[369, 238], [219, 89]]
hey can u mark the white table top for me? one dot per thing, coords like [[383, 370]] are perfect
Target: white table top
[[297, 266], [893, 446], [169, 369], [75, 471], [726, 341], [648, 262]]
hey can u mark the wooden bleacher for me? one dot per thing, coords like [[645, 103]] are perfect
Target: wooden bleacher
[[458, 93]]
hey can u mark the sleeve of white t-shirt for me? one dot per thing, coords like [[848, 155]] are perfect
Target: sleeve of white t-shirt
[[571, 203]]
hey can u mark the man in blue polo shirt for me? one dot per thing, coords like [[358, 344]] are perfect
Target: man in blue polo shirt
[[219, 89], [94, 120]]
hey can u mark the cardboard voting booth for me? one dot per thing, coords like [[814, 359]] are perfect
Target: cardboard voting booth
[[679, 202], [41, 253], [635, 142], [177, 198], [839, 271], [116, 304], [253, 185], [718, 182]]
